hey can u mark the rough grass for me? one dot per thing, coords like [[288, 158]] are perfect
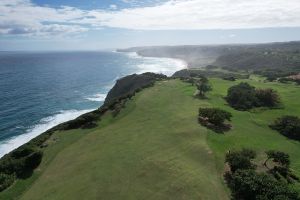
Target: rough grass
[[154, 149]]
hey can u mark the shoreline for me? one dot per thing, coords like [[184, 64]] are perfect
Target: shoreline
[[178, 59], [14, 142]]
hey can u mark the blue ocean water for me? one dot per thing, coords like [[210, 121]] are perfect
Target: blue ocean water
[[39, 90]]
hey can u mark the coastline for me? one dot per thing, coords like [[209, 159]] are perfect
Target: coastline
[[12, 143]]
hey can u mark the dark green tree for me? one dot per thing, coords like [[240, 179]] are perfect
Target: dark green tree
[[288, 126], [267, 97], [250, 185], [215, 116], [279, 157], [242, 96], [240, 159], [203, 86]]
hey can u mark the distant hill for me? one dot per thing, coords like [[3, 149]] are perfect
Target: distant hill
[[243, 56]]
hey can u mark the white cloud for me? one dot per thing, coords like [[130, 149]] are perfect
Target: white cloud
[[113, 6], [24, 17], [204, 14]]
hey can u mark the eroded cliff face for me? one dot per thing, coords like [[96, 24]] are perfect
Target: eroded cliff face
[[128, 85]]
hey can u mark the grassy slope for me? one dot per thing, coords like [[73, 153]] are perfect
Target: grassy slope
[[154, 149]]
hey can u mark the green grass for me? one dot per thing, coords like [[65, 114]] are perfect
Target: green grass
[[155, 148], [250, 129]]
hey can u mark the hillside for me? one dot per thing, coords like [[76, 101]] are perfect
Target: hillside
[[235, 57], [155, 148]]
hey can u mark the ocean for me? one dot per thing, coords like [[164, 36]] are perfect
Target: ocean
[[39, 90]]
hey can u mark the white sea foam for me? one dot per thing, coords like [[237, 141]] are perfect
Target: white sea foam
[[97, 97], [44, 124], [165, 66]]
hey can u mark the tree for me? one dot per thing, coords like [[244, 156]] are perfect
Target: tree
[[215, 116], [250, 185], [240, 159], [203, 86], [279, 157], [288, 126], [267, 97], [271, 78], [242, 96]]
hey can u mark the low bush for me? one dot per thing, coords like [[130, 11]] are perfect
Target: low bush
[[20, 163], [240, 159], [214, 118], [6, 180], [267, 97], [288, 126], [229, 78], [242, 96]]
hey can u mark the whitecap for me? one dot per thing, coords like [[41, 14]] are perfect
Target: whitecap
[[163, 65], [46, 123], [97, 97]]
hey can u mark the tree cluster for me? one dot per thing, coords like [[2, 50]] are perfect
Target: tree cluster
[[248, 184], [288, 126], [244, 97]]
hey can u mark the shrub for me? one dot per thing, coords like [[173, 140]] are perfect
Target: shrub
[[279, 157], [20, 166], [215, 116], [271, 78], [284, 80], [33, 160], [242, 96], [240, 159], [229, 78], [247, 184], [250, 185], [6, 180], [288, 126], [203, 86], [267, 97], [22, 151]]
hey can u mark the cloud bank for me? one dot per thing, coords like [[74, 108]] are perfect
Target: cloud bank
[[22, 17]]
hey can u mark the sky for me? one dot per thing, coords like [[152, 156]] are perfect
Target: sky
[[110, 24]]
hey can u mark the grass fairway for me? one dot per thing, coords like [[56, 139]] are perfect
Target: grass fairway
[[154, 149]]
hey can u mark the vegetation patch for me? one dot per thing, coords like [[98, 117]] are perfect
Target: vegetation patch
[[248, 184], [288, 126], [214, 118], [244, 97]]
